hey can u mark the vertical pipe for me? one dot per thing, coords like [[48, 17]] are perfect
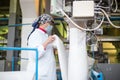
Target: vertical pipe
[[11, 31], [77, 66], [36, 77], [13, 63]]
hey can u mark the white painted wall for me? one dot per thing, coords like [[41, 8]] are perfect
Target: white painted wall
[[28, 16]]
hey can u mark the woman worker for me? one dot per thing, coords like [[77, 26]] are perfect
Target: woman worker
[[40, 39]]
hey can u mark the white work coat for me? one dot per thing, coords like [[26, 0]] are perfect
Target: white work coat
[[46, 63]]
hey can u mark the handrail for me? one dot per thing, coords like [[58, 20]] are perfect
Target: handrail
[[13, 61], [32, 49]]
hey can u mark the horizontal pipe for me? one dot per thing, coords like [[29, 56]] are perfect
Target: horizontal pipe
[[3, 19], [16, 25], [17, 48], [62, 19], [114, 18], [21, 58]]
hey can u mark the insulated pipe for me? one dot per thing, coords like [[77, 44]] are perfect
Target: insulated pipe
[[77, 65]]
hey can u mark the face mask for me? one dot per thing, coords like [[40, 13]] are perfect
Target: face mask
[[49, 29]]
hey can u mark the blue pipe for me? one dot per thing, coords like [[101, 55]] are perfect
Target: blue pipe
[[12, 63], [12, 25], [4, 19], [32, 49], [96, 75], [62, 19], [36, 64], [15, 25], [113, 18], [21, 58]]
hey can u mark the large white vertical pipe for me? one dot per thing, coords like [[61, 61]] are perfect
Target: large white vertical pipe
[[28, 16], [77, 66]]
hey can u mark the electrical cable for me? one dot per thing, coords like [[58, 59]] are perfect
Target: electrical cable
[[78, 25], [116, 7], [108, 18], [118, 10], [90, 76], [93, 35], [99, 2], [102, 7], [111, 3]]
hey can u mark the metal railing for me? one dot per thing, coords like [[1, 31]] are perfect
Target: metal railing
[[13, 61], [30, 49]]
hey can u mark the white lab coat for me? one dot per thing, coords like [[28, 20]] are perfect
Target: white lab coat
[[46, 63]]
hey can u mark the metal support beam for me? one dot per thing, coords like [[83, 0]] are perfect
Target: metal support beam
[[47, 7], [40, 7], [11, 32]]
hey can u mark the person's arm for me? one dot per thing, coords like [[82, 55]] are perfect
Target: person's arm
[[42, 47], [49, 40], [35, 41]]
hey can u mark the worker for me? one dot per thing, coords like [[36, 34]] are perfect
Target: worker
[[41, 39]]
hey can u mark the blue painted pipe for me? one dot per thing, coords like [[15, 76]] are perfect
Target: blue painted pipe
[[12, 25], [16, 25], [61, 19], [4, 19], [96, 75], [12, 63], [32, 49], [114, 18]]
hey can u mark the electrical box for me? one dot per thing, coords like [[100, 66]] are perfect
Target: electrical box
[[55, 7], [83, 9]]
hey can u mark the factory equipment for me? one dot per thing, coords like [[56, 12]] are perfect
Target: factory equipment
[[85, 35], [88, 17]]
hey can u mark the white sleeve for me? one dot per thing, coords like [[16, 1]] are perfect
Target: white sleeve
[[41, 51], [35, 41]]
